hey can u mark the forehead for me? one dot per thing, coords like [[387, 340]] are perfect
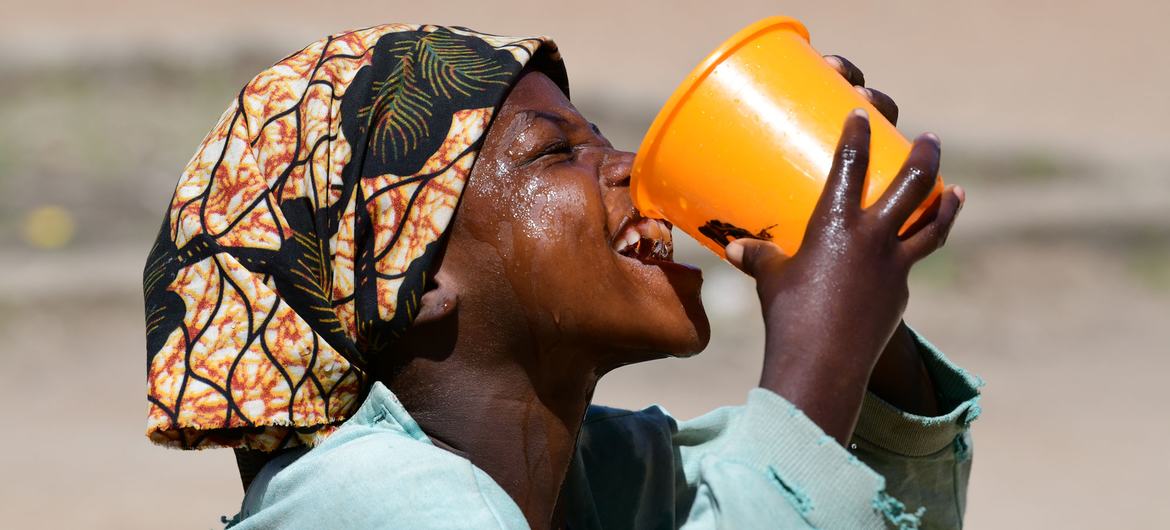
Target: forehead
[[534, 88], [535, 97], [535, 91]]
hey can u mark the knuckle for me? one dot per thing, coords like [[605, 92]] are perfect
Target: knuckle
[[849, 154], [916, 175], [755, 256], [876, 225], [942, 239]]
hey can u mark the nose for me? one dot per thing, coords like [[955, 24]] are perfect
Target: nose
[[616, 167], [615, 189]]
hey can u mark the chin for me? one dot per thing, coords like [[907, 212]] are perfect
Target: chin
[[683, 330], [686, 330], [683, 336], [692, 338]]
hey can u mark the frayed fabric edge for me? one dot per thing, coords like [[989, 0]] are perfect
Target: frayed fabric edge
[[895, 512], [273, 437]]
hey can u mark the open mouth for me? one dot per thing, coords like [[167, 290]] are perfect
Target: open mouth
[[646, 240]]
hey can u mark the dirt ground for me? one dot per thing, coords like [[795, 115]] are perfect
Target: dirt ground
[[1055, 287]]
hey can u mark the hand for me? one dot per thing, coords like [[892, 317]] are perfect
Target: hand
[[830, 310]]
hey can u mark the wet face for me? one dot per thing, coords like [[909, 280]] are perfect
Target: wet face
[[547, 239]]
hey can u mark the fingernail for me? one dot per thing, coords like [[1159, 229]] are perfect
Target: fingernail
[[961, 194], [734, 252], [933, 137], [861, 113]]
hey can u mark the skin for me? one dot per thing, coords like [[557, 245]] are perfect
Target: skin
[[854, 272], [530, 305]]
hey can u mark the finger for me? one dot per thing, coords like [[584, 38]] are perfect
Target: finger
[[927, 216], [846, 179], [913, 183], [934, 235], [754, 256], [847, 69], [882, 102]]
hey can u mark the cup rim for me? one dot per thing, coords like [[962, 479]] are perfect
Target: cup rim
[[725, 49]]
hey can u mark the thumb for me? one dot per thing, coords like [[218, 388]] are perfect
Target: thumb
[[753, 256]]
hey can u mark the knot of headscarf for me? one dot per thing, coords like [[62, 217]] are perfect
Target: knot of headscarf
[[299, 236]]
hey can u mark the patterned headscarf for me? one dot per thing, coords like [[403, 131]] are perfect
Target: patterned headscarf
[[299, 237]]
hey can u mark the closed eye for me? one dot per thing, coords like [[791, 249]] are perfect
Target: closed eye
[[557, 148]]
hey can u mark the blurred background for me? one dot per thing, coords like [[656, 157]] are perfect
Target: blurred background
[[1055, 285]]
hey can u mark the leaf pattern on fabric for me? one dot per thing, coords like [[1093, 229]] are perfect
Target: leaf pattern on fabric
[[435, 65], [288, 258]]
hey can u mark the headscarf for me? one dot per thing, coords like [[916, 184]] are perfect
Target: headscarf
[[299, 237]]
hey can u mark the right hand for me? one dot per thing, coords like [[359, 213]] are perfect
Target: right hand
[[830, 309]]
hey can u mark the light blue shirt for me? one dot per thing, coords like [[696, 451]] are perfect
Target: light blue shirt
[[762, 464]]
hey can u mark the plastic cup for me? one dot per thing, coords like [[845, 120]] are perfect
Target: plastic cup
[[744, 145]]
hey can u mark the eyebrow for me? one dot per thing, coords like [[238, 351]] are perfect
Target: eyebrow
[[558, 119], [555, 118]]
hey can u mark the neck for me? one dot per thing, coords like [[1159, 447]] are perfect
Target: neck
[[517, 421]]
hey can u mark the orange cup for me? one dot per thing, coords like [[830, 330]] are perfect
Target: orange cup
[[744, 145]]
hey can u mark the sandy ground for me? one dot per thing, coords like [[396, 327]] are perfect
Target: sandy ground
[[1055, 288]]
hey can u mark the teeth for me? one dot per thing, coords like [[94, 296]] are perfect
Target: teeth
[[646, 238], [631, 237]]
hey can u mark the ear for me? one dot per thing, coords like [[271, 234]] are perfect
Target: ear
[[436, 304]]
